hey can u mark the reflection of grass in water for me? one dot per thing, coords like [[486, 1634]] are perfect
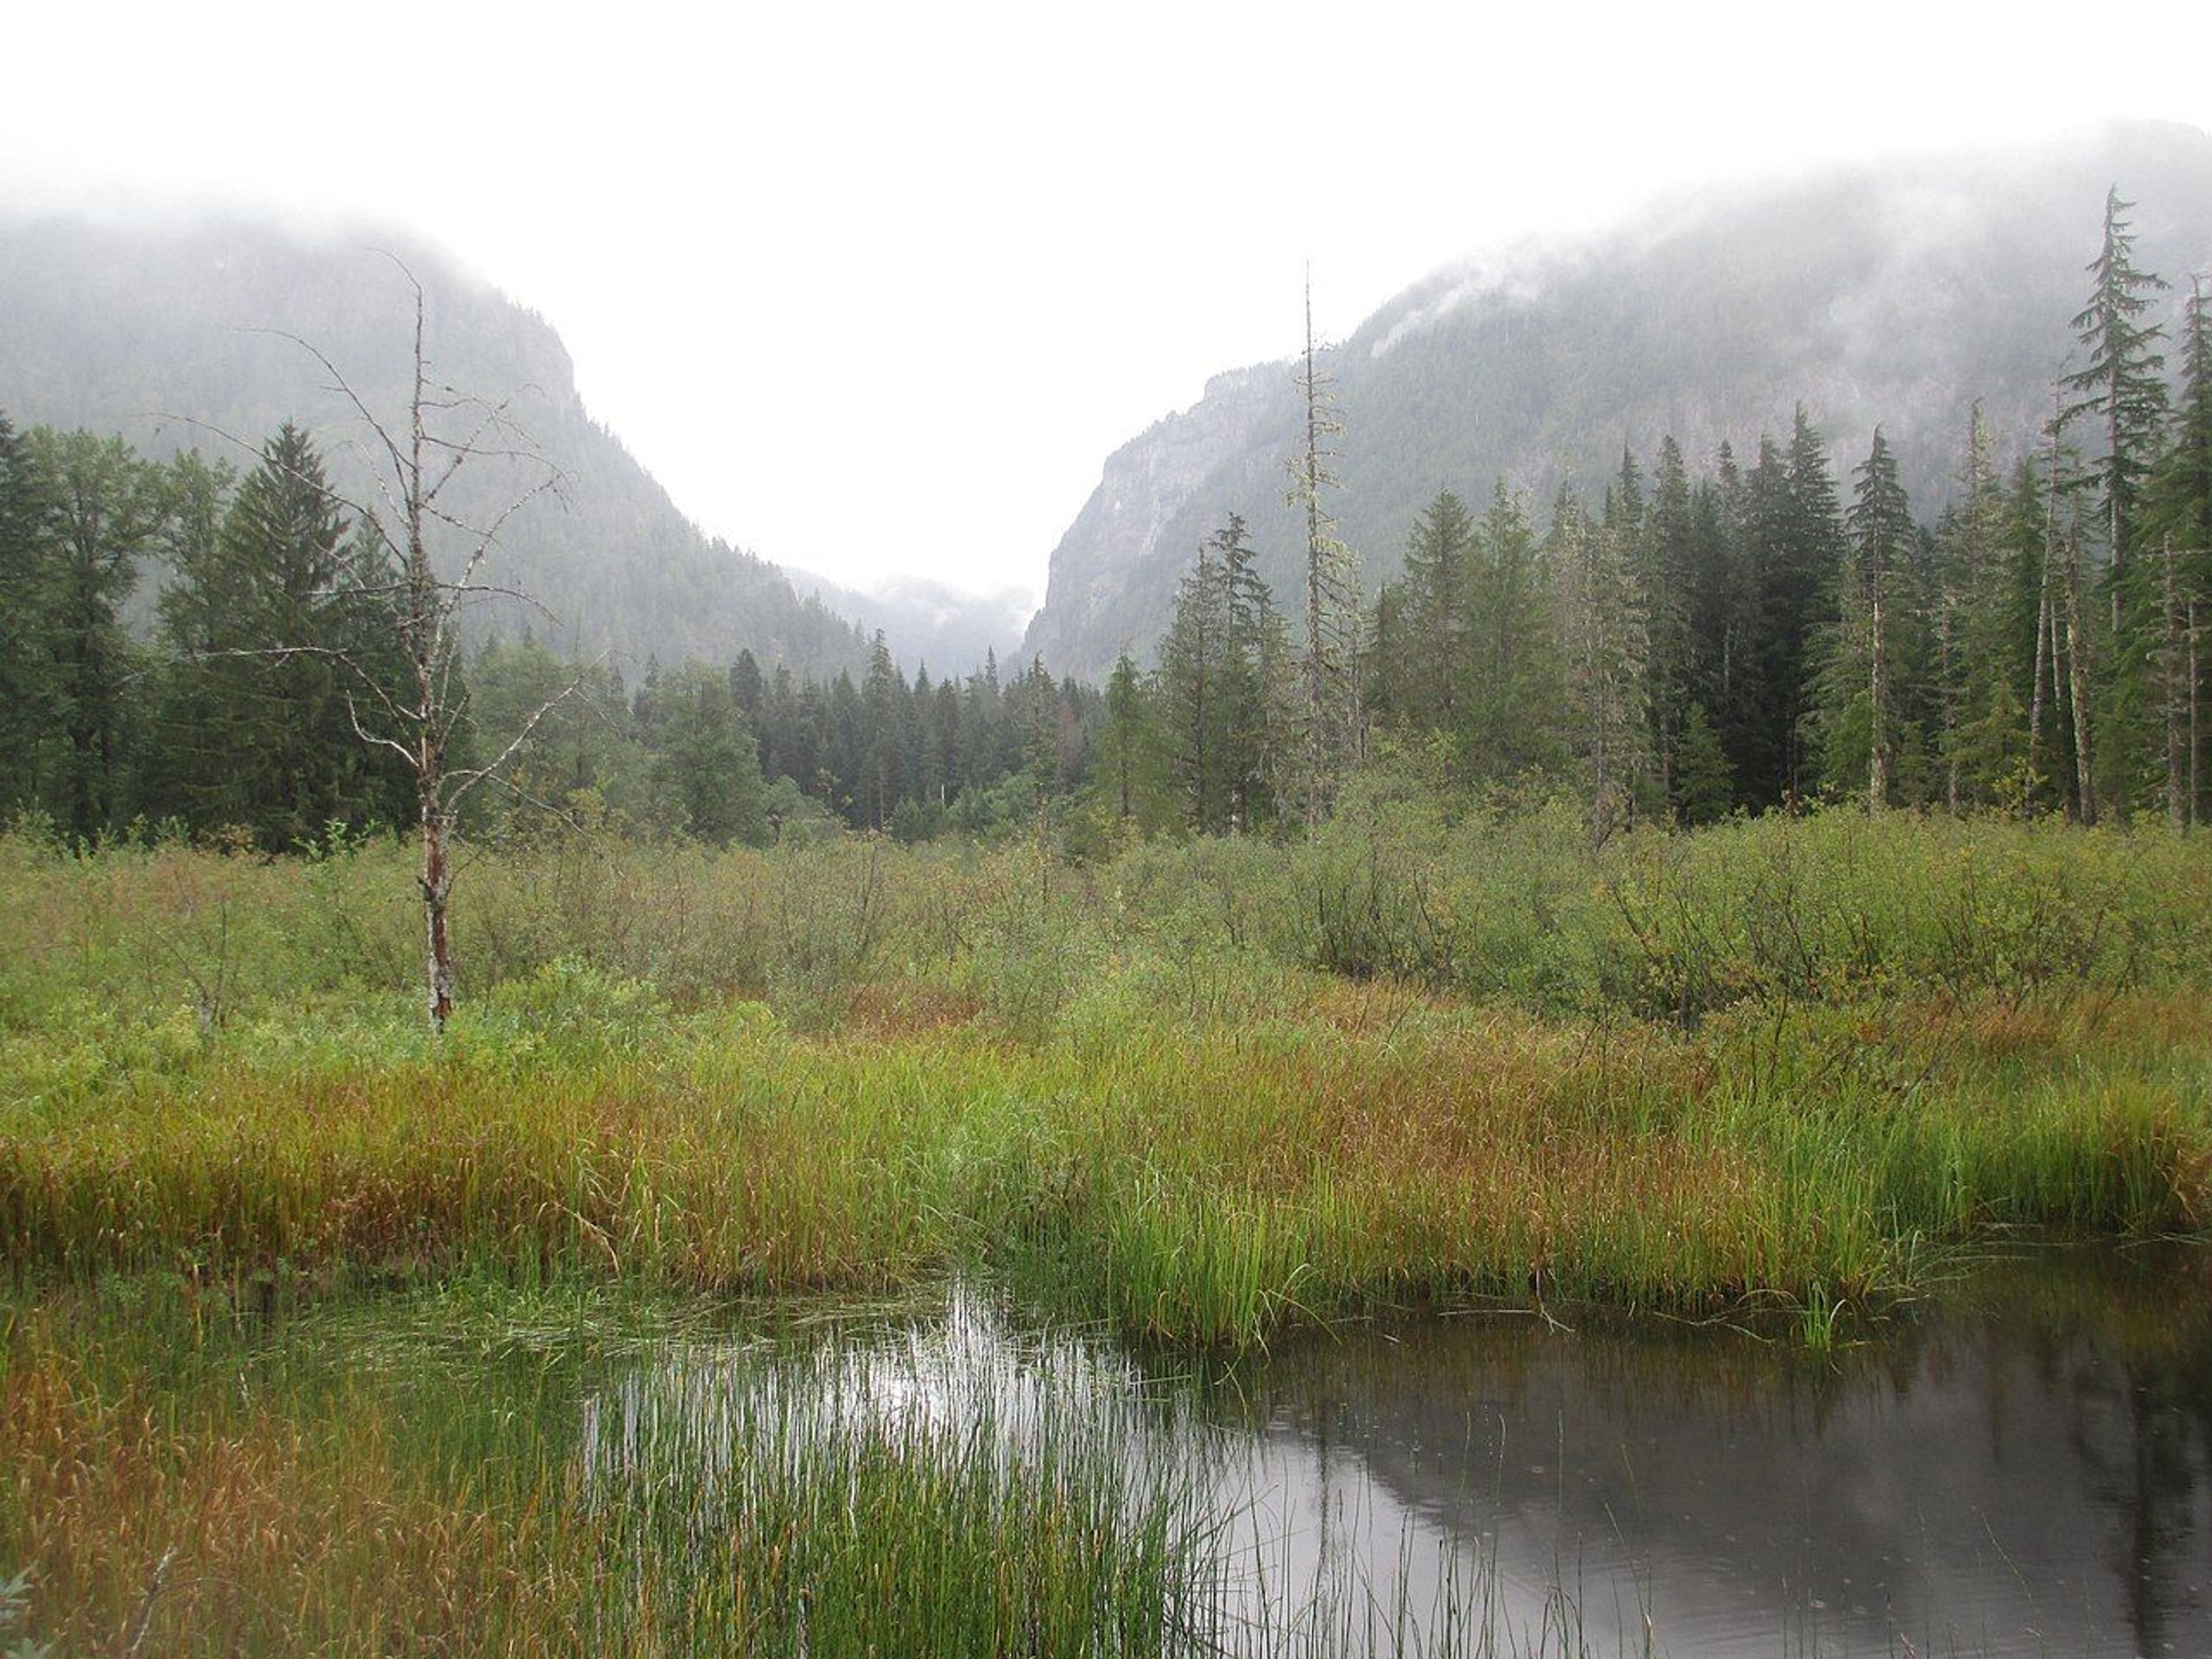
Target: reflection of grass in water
[[491, 1473], [961, 1494]]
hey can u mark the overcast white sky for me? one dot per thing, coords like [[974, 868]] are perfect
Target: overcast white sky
[[876, 289]]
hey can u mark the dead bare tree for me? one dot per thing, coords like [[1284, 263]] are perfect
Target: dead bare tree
[[1334, 721], [412, 464]]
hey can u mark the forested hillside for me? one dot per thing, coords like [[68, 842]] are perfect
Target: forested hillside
[[162, 334], [1897, 296]]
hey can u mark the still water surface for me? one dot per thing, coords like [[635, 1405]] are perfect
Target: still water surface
[[2023, 1466], [2024, 1472]]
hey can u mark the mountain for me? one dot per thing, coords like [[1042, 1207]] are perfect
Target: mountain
[[170, 333], [926, 624], [1895, 294]]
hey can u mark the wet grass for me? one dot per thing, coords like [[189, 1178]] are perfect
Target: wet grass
[[490, 1471], [1196, 1182], [1196, 1094]]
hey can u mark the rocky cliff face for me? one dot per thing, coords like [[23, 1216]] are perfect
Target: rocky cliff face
[[1897, 296], [1114, 572]]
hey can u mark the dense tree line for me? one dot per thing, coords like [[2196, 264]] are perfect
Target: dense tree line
[[1742, 637], [236, 711], [1698, 641], [240, 708]]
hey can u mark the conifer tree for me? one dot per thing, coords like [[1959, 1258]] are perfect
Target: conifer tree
[[1800, 585], [1430, 645], [1251, 647], [266, 623], [107, 506], [2180, 517], [1882, 531], [1973, 663], [1601, 646], [1726, 625], [2064, 650], [196, 772], [1192, 656], [882, 745], [1667, 556], [745, 683], [2120, 384], [25, 707], [1123, 742], [1765, 750], [1513, 688], [1220, 668]]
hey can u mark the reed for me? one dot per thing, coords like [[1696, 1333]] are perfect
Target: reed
[[1780, 1060], [1206, 1182], [467, 1480]]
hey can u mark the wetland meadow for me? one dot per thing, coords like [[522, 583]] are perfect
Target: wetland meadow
[[1437, 1235]]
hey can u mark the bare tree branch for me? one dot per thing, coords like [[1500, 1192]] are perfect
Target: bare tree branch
[[464, 781]]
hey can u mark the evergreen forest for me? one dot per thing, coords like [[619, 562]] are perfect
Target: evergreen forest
[[1713, 635]]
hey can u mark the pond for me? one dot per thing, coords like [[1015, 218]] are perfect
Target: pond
[[2023, 1466], [2024, 1469]]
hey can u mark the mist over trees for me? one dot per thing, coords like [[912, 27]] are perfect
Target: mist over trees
[[1708, 634], [1708, 637], [166, 335], [1896, 294]]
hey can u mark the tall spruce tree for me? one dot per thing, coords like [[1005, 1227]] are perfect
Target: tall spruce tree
[[1973, 666], [1512, 701], [1253, 649], [1601, 632], [267, 622], [1193, 655], [1727, 622], [107, 506], [1221, 664], [1882, 537], [1800, 576], [2180, 517], [1667, 555], [1429, 647], [1125, 740], [2120, 386]]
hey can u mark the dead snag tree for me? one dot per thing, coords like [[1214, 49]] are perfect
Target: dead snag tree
[[434, 551], [1330, 668]]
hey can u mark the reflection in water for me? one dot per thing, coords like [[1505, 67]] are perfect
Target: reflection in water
[[2025, 1471]]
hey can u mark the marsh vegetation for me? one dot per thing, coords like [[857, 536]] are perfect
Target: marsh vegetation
[[1781, 1078]]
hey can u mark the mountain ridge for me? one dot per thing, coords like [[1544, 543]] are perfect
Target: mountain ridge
[[169, 328], [1895, 294]]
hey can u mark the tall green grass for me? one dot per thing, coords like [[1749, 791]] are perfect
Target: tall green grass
[[1511, 910], [1198, 1090], [455, 1475], [1204, 1181]]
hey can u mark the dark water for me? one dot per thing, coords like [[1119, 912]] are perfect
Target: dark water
[[2026, 1470]]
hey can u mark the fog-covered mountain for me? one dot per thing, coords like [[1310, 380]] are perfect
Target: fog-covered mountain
[[1895, 294], [925, 623], [163, 331]]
